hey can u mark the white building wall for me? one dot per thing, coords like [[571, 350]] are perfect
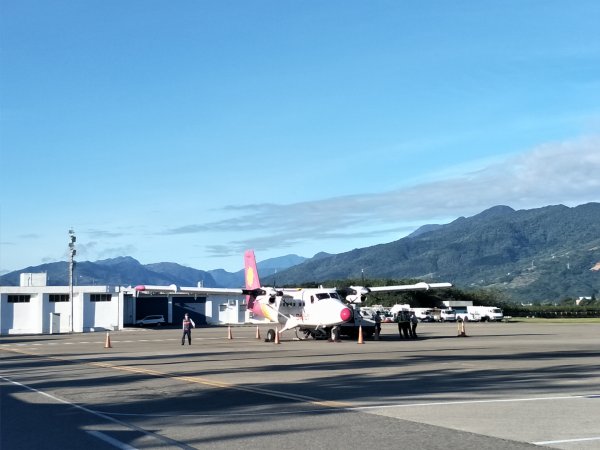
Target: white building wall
[[21, 318], [33, 279], [208, 311], [101, 315], [62, 308], [222, 310], [231, 311], [34, 317]]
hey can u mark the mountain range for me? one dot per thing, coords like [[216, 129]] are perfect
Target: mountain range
[[127, 271], [538, 254]]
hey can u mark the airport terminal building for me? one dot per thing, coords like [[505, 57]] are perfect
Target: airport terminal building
[[35, 308]]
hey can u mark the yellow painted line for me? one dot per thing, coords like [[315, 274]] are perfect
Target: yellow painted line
[[198, 380]]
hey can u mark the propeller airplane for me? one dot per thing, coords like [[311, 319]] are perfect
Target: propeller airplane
[[312, 312]]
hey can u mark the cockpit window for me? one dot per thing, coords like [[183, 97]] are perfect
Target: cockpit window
[[324, 295]]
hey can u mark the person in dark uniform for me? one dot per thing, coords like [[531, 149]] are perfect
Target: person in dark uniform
[[377, 318], [403, 320], [413, 325], [188, 324]]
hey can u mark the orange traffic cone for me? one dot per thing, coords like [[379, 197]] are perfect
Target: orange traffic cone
[[461, 329], [277, 335], [257, 332], [229, 335], [107, 342], [360, 335]]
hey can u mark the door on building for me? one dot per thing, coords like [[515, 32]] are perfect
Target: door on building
[[152, 305]]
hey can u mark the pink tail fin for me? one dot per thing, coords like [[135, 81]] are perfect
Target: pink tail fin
[[252, 280], [251, 272]]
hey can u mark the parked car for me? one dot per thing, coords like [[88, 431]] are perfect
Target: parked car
[[427, 318], [387, 318], [155, 320]]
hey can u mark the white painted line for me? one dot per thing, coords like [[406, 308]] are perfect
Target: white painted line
[[470, 402], [118, 341], [102, 415], [110, 440], [564, 441]]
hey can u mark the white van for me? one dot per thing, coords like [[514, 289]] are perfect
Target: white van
[[487, 313], [463, 314], [447, 315], [423, 314]]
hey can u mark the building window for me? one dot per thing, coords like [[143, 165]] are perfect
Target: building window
[[19, 298], [100, 298], [54, 298]]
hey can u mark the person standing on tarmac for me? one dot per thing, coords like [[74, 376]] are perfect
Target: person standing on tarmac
[[188, 324], [406, 325], [413, 325], [377, 318], [403, 324]]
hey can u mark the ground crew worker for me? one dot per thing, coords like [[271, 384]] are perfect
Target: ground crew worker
[[403, 324], [188, 324], [413, 325], [377, 325]]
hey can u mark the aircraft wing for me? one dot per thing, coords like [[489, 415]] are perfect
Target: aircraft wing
[[213, 291], [191, 290], [354, 294], [422, 286]]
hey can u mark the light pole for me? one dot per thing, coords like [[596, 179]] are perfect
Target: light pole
[[72, 253]]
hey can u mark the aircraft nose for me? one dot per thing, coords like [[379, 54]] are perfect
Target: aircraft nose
[[345, 314]]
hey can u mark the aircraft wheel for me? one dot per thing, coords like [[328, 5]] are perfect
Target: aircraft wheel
[[270, 336], [335, 334], [321, 334]]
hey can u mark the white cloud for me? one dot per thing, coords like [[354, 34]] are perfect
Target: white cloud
[[564, 172]]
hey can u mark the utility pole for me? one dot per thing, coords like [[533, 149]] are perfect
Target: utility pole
[[72, 253]]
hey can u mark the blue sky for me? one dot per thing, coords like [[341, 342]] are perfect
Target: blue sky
[[188, 131]]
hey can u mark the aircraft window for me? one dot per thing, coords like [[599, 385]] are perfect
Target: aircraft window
[[312, 299], [322, 296], [335, 295]]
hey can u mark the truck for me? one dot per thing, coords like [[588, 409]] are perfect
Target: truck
[[478, 313], [487, 313], [443, 315], [394, 310], [423, 314], [463, 314]]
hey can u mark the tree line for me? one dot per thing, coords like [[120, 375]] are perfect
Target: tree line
[[434, 298]]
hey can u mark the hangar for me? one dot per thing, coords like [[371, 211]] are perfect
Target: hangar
[[35, 308]]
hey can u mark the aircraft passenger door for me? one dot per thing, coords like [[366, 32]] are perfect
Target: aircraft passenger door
[[309, 302]]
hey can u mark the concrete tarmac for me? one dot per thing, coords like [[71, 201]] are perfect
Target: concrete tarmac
[[504, 386]]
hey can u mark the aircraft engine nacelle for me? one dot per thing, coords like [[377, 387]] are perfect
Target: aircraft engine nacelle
[[272, 295], [354, 294]]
